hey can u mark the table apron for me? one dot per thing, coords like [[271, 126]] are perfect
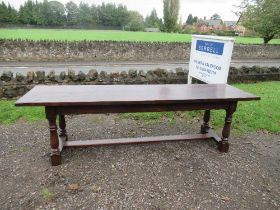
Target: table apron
[[140, 108]]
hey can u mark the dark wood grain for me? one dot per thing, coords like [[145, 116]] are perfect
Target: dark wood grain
[[69, 95]]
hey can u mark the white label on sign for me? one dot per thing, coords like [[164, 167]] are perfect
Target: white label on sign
[[210, 58]]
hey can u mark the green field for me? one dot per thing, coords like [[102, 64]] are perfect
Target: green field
[[250, 116], [76, 35]]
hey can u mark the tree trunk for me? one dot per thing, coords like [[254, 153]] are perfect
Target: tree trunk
[[267, 38]]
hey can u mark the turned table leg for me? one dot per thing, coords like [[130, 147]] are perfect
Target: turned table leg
[[62, 127], [205, 126], [54, 141], [224, 145]]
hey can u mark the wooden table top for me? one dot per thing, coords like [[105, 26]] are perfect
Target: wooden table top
[[76, 95]]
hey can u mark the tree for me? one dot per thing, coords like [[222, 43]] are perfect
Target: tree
[[53, 13], [152, 20], [170, 14], [122, 15], [57, 13], [72, 12], [215, 17], [195, 19], [7, 13], [106, 14], [84, 15], [262, 16], [26, 13], [38, 15], [136, 22], [12, 14], [191, 20], [45, 12]]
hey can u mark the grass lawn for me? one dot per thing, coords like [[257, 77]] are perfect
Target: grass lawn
[[77, 34], [250, 116], [10, 114]]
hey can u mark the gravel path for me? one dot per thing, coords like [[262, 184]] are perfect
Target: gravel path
[[182, 175]]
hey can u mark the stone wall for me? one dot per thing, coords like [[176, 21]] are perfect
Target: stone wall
[[19, 50], [12, 86]]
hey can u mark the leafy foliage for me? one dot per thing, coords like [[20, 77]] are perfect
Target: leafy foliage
[[215, 17], [54, 13], [72, 13], [7, 13], [170, 14], [191, 20], [46, 194], [153, 20], [262, 16], [136, 22]]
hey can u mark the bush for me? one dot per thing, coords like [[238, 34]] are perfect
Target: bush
[[188, 30], [216, 32], [134, 26], [225, 33]]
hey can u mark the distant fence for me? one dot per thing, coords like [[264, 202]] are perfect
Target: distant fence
[[12, 86], [19, 50]]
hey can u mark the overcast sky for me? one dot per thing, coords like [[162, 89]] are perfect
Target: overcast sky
[[198, 8]]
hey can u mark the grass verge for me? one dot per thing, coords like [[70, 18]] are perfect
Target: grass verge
[[250, 116], [255, 115], [10, 114]]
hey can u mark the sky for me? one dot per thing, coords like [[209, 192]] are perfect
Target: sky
[[200, 8]]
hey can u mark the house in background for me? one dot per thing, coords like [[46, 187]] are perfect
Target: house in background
[[214, 24], [204, 25], [230, 24]]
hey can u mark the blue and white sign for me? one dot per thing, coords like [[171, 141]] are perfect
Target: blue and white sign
[[216, 48], [210, 58]]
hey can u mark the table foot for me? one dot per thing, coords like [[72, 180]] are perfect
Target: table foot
[[55, 159], [223, 146]]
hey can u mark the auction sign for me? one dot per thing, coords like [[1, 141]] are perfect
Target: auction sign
[[210, 58]]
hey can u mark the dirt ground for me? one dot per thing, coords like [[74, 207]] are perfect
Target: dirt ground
[[177, 175]]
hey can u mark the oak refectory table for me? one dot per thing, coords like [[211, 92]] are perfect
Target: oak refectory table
[[93, 99]]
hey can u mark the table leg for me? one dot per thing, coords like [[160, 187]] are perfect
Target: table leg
[[54, 141], [205, 126], [62, 127], [224, 145]]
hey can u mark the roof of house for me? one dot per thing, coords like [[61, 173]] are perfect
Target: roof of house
[[210, 22], [230, 23], [213, 22]]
